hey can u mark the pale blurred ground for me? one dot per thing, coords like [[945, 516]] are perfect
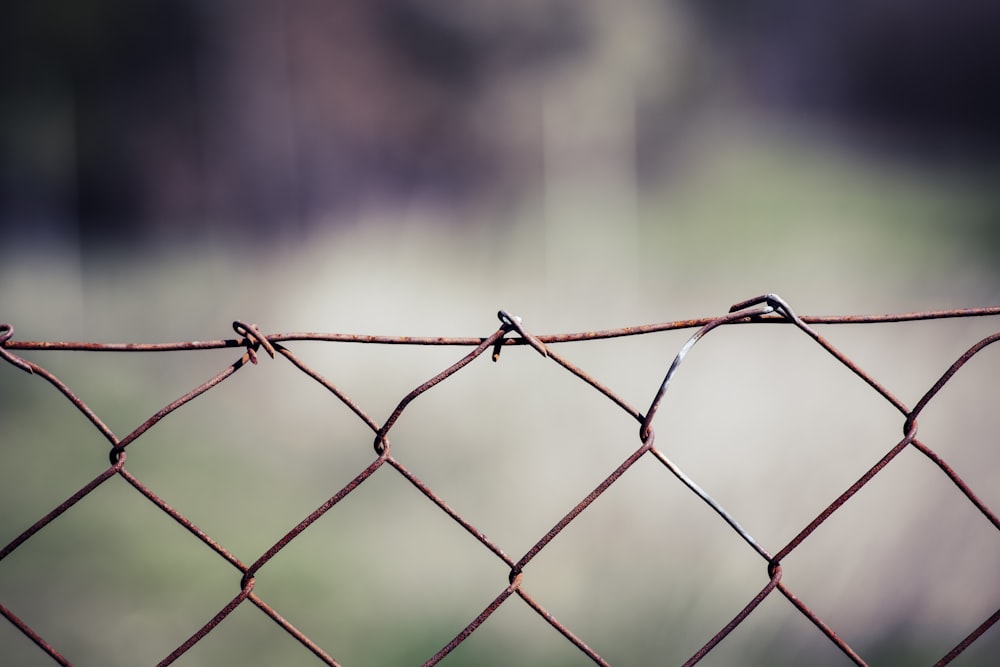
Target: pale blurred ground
[[582, 234]]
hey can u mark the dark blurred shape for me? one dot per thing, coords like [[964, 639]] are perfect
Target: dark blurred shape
[[914, 82], [98, 115], [169, 118], [917, 78]]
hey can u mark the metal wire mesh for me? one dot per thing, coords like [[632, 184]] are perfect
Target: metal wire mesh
[[251, 342]]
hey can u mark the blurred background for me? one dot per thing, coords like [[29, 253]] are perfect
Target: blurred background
[[407, 167]]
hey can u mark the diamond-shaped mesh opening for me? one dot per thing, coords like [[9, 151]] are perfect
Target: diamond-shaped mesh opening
[[854, 578], [380, 558], [115, 579], [514, 445]]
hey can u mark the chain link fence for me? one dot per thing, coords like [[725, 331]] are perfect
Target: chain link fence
[[253, 346]]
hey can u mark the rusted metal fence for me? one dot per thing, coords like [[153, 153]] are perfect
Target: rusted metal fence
[[251, 342]]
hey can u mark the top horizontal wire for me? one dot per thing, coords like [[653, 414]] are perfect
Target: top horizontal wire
[[477, 340]]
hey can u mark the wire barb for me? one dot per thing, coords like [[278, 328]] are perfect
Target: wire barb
[[254, 339], [513, 323]]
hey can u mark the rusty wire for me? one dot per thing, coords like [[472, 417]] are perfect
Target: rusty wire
[[250, 339]]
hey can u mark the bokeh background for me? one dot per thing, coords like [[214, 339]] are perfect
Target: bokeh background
[[408, 167]]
